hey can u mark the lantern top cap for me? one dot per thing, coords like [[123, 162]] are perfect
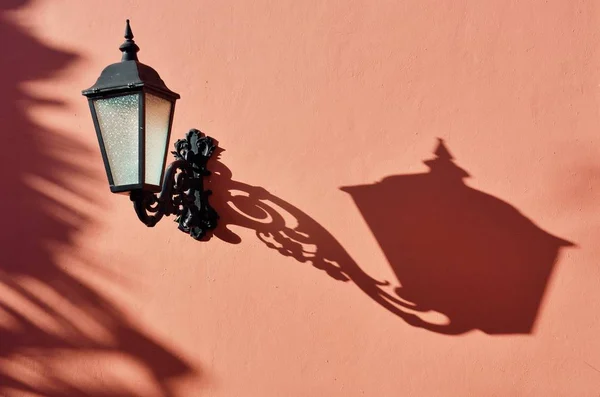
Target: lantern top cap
[[128, 75], [129, 48]]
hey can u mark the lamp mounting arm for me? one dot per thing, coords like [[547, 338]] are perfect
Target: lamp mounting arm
[[182, 193]]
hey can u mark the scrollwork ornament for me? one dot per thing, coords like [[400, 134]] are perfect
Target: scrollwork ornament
[[183, 191]]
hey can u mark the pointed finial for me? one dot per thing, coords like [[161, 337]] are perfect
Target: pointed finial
[[442, 151], [443, 165], [128, 32], [129, 48]]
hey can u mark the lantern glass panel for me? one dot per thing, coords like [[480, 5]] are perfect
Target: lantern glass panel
[[158, 113], [118, 119]]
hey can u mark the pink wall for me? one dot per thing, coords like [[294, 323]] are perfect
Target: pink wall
[[354, 257]]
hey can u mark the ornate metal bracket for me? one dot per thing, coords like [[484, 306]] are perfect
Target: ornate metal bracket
[[183, 191]]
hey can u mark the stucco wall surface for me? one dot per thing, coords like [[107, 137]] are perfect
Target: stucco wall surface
[[409, 195]]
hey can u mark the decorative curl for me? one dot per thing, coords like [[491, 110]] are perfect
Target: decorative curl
[[183, 191]]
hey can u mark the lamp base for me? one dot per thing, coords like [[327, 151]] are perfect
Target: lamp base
[[182, 192]]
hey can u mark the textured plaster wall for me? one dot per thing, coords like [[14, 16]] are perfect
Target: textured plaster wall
[[409, 195]]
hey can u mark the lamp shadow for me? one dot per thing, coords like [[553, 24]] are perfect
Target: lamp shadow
[[463, 259], [50, 316], [457, 251]]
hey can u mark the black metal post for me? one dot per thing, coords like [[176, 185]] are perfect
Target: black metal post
[[182, 192]]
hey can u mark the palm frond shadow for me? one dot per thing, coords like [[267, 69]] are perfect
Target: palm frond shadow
[[39, 335]]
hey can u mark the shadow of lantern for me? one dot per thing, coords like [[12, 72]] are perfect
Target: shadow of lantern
[[458, 252]]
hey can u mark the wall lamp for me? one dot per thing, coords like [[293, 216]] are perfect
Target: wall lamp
[[133, 110]]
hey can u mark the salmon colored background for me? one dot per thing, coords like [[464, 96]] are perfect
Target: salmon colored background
[[351, 259]]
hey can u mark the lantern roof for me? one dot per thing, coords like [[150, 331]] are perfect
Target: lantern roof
[[129, 74]]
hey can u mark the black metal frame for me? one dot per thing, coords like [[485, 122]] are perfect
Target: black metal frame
[[127, 77], [141, 139], [182, 192]]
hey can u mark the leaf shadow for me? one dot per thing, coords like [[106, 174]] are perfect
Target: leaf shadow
[[48, 314]]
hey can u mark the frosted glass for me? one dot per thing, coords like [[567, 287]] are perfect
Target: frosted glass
[[119, 125], [158, 111]]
